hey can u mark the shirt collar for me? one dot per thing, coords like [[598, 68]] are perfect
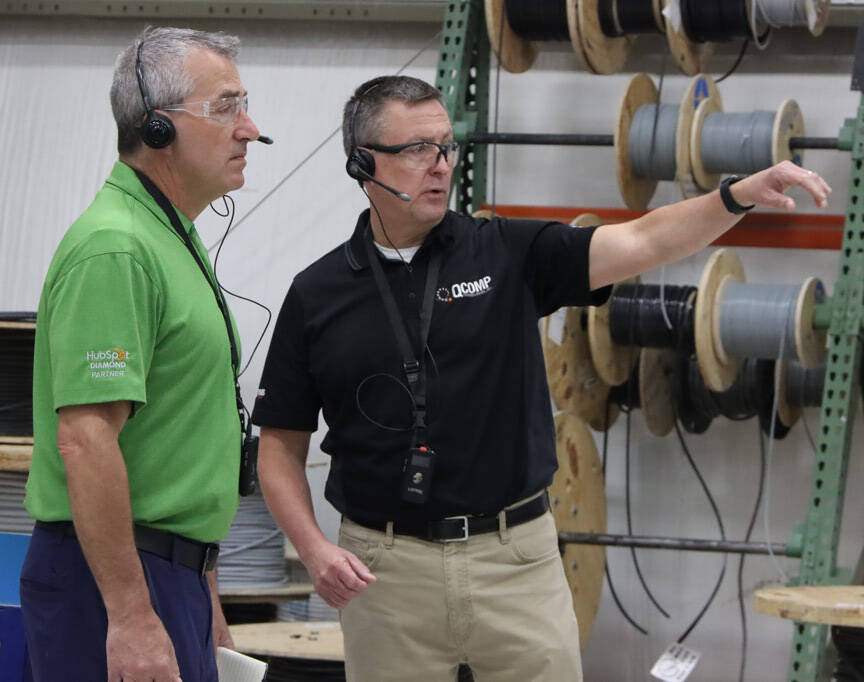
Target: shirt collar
[[355, 253], [123, 178]]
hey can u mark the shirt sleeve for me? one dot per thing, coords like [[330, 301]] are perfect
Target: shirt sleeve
[[102, 328], [557, 268], [287, 396]]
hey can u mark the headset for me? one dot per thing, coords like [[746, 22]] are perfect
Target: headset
[[361, 163], [157, 130]]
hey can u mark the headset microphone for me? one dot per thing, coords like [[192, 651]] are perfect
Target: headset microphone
[[392, 190], [264, 139]]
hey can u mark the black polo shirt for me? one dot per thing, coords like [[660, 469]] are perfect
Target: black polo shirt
[[489, 416]]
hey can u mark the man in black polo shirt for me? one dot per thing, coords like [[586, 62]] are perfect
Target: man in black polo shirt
[[418, 339]]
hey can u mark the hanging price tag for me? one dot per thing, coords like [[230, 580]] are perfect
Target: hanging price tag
[[555, 330], [675, 663]]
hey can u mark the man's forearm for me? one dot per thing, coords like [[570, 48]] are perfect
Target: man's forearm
[[99, 499], [282, 472], [98, 485], [672, 232]]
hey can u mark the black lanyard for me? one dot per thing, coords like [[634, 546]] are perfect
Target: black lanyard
[[174, 219], [415, 370]]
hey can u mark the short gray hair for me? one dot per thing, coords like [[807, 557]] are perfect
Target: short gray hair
[[163, 63], [361, 117]]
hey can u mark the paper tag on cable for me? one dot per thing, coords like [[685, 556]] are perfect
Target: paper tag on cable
[[555, 330], [675, 664], [672, 12]]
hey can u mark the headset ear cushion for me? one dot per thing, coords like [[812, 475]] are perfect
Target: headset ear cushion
[[158, 131], [360, 161]]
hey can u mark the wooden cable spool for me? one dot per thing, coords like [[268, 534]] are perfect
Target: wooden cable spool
[[692, 58], [612, 362], [578, 497], [827, 604], [656, 397], [638, 191], [515, 53], [573, 381], [723, 266]]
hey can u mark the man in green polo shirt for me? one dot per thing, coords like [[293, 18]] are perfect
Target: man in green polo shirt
[[137, 436]]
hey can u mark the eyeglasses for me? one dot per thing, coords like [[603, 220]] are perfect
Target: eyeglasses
[[421, 155], [224, 110]]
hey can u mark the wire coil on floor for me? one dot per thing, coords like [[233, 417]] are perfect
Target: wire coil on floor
[[253, 554], [13, 517]]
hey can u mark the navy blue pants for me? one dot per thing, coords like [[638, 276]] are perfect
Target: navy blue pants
[[66, 624]]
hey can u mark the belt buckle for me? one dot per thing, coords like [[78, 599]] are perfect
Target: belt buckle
[[211, 552], [464, 520]]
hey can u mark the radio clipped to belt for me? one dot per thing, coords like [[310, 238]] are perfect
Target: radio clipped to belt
[[418, 465], [249, 443]]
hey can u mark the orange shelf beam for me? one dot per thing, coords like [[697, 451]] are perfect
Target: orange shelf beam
[[766, 230]]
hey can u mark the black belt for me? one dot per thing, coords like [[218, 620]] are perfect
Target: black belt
[[460, 528], [199, 556]]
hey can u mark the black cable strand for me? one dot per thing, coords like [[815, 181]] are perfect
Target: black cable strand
[[626, 395], [629, 517], [737, 63], [715, 21], [750, 526], [229, 213], [539, 20], [615, 598], [719, 518]]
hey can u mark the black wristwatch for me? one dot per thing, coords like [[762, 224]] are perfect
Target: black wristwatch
[[726, 196]]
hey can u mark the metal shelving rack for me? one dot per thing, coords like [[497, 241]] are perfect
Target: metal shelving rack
[[463, 76]]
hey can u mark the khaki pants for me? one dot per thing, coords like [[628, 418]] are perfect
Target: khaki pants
[[499, 602]]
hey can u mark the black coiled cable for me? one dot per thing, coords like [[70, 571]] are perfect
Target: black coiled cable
[[539, 20], [626, 17], [849, 642], [751, 395], [715, 21], [16, 377], [804, 387], [636, 316]]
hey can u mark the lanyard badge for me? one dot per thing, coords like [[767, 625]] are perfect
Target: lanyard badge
[[249, 443], [417, 466]]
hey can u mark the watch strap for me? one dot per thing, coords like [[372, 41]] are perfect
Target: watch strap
[[728, 200]]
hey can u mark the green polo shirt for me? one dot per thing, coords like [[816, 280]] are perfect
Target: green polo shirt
[[126, 314]]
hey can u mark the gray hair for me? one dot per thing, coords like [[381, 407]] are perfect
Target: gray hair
[[163, 64], [361, 117]]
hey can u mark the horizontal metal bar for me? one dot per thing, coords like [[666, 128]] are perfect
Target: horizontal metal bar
[[579, 140], [686, 544], [813, 143], [542, 138], [323, 10]]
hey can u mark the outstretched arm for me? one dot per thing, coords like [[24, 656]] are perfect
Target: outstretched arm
[[672, 232]]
